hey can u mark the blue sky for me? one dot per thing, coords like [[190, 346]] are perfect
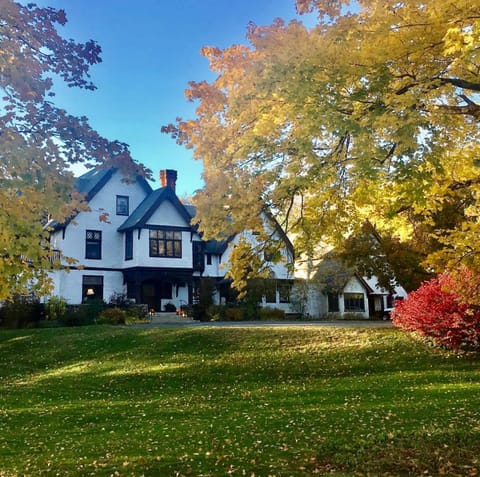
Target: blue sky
[[150, 51]]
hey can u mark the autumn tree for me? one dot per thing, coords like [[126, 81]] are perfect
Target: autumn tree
[[371, 115], [38, 140]]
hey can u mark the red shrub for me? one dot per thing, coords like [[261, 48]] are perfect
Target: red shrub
[[437, 310]]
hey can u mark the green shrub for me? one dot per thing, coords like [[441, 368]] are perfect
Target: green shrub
[[76, 316], [82, 315], [353, 316], [55, 308], [234, 314], [216, 312], [21, 311], [136, 312], [203, 298], [271, 314], [119, 299], [112, 316]]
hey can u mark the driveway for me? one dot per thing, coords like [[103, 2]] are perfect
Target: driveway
[[270, 324]]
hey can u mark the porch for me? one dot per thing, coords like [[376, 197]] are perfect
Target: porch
[[161, 289]]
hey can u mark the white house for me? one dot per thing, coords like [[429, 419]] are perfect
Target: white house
[[147, 248], [333, 291]]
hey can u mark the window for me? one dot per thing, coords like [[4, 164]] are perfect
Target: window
[[354, 302], [284, 292], [93, 244], [92, 288], [333, 305], [165, 243], [198, 259], [122, 205], [129, 245], [270, 291]]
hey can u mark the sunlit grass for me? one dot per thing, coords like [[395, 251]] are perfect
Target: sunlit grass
[[206, 402]]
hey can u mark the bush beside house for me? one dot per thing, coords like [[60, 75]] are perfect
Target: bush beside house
[[21, 311], [439, 311]]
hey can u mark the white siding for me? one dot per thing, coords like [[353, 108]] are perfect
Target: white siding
[[69, 284], [280, 269], [354, 286], [73, 245], [167, 214], [213, 270], [141, 253]]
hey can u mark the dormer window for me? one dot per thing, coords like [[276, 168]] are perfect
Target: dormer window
[[122, 205]]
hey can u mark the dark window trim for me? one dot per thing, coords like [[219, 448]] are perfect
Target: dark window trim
[[284, 292], [270, 291], [333, 302], [129, 245], [169, 228], [93, 243], [354, 302], [172, 247], [95, 283], [120, 212]]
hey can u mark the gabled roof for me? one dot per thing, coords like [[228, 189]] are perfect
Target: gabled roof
[[145, 210], [335, 275], [191, 209], [216, 247], [92, 182], [281, 232]]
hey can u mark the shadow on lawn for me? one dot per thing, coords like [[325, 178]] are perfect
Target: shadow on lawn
[[169, 361], [371, 399]]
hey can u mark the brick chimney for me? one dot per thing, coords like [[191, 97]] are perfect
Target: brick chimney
[[168, 178]]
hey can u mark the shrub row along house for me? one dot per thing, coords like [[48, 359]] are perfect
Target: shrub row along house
[[147, 250]]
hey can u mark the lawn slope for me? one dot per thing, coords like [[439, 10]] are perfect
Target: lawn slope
[[215, 402]]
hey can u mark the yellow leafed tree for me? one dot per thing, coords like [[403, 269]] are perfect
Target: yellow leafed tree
[[38, 140], [365, 125]]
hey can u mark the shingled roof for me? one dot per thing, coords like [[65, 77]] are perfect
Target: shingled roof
[[149, 205], [90, 184]]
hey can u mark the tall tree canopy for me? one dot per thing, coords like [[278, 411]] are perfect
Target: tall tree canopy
[[38, 141], [366, 125]]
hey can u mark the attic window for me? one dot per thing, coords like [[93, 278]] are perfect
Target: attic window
[[122, 205]]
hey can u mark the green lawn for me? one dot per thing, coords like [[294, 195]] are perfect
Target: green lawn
[[242, 402]]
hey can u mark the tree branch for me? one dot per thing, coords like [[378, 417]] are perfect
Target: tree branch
[[460, 83], [457, 185]]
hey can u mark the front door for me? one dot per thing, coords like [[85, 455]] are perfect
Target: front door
[[149, 296], [153, 291]]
